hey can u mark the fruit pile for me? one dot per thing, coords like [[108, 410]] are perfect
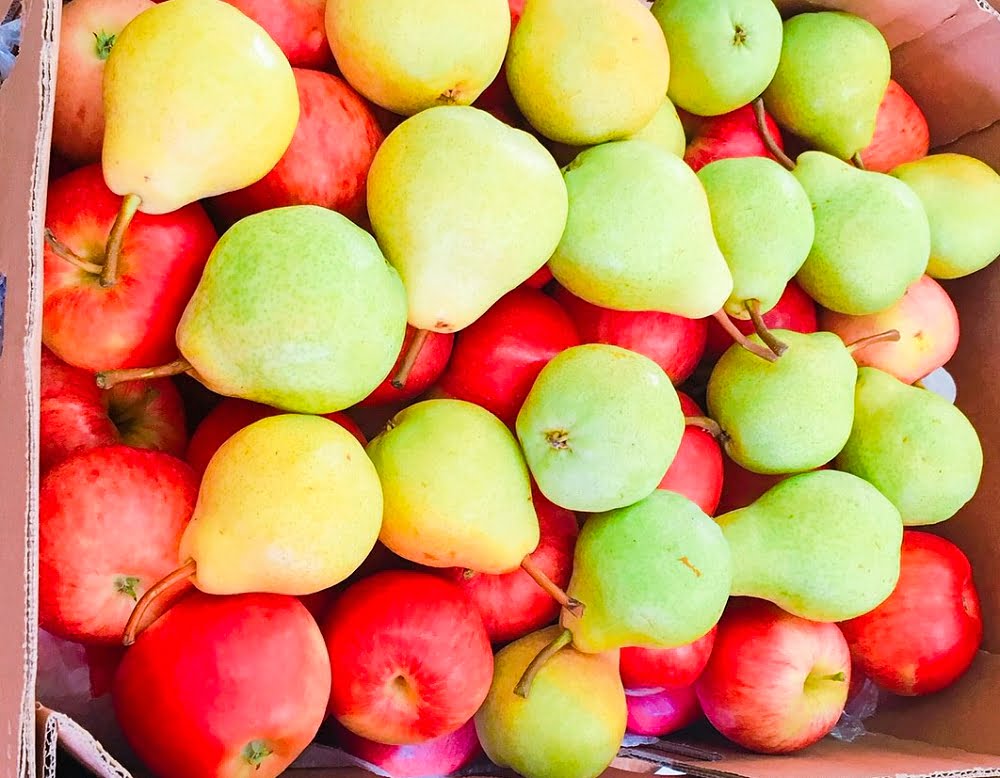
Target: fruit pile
[[553, 369]]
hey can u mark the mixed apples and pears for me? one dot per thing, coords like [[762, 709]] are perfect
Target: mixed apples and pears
[[535, 521]]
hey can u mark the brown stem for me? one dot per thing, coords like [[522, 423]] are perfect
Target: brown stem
[[777, 346], [858, 162], [152, 594], [571, 604], [883, 337], [560, 642], [109, 273], [767, 137], [108, 378], [739, 337], [412, 354], [711, 426], [63, 251]]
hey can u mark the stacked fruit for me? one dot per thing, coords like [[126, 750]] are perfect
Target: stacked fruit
[[652, 421]]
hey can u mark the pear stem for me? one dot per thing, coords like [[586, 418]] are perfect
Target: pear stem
[[777, 346], [63, 251], [888, 336], [560, 642], [711, 426], [858, 162], [739, 337], [129, 207], [152, 594], [768, 138], [108, 378], [538, 575], [833, 677], [410, 359]]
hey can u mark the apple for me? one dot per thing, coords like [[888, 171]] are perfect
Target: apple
[[497, 95], [132, 323], [87, 33], [429, 363], [297, 26], [74, 415], [326, 162], [662, 712], [497, 358], [697, 470], [410, 657], [740, 487], [775, 683], [924, 636], [660, 668], [733, 134], [540, 278], [110, 521], [224, 687], [928, 326], [901, 132], [512, 604], [675, 343]]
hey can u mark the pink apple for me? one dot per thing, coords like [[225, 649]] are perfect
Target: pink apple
[[430, 362], [297, 27], [659, 668], [901, 132], [775, 683], [733, 134], [696, 471], [663, 712]]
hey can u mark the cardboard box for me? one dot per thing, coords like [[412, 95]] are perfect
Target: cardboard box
[[945, 52]]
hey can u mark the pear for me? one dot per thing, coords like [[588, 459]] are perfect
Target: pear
[[457, 490], [787, 416], [600, 427], [572, 723], [655, 574], [406, 61], [665, 130], [872, 236], [466, 208], [639, 234], [831, 77], [587, 71], [961, 196], [917, 448], [823, 545], [723, 52]]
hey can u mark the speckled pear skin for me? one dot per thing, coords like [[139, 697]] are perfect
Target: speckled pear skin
[[298, 309]]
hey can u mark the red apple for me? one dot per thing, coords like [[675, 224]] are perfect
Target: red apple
[[733, 134], [297, 26], [795, 310], [775, 683], [75, 415], [497, 358], [497, 95], [327, 161], [925, 635], [659, 668], [512, 604], [540, 279], [430, 363], [110, 522], [927, 323], [662, 712], [233, 414], [224, 687], [901, 132], [410, 657], [132, 323], [740, 487], [696, 471]]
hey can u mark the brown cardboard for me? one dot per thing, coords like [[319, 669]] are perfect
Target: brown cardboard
[[945, 52]]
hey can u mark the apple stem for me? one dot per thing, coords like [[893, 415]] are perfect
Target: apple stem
[[255, 752], [108, 378], [538, 575], [834, 677], [767, 137], [711, 426], [126, 585], [152, 593], [858, 162], [129, 207], [888, 336], [739, 337], [410, 359], [777, 346], [560, 642], [103, 43], [63, 251]]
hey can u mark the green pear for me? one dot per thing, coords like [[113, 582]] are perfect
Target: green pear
[[917, 448], [786, 416], [962, 198], [763, 223], [665, 130], [655, 574], [456, 490], [832, 75], [872, 236], [570, 725], [466, 208], [823, 545], [298, 309], [639, 234], [723, 52], [600, 427], [587, 71]]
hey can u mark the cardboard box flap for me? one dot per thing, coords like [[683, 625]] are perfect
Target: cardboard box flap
[[58, 730]]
